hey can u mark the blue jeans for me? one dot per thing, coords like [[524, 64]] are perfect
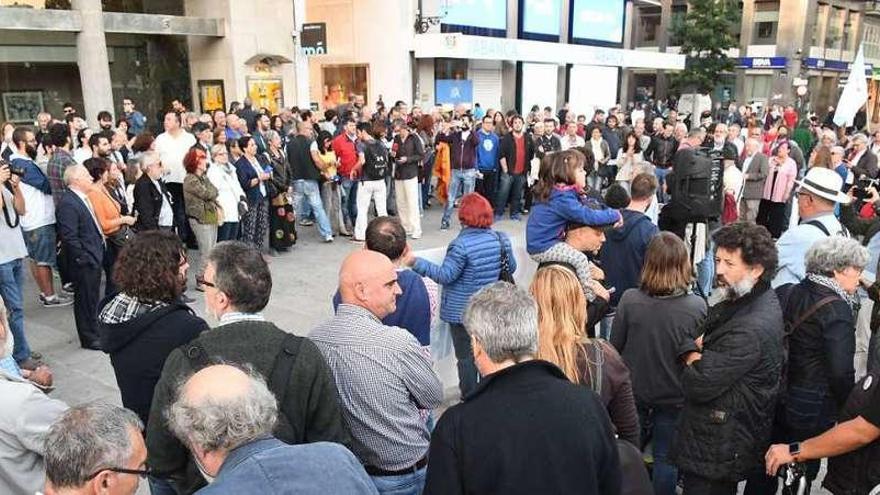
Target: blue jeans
[[308, 191], [348, 189], [159, 486], [429, 174], [510, 190], [661, 174], [227, 232], [659, 423], [460, 183], [403, 484], [706, 270], [11, 286]]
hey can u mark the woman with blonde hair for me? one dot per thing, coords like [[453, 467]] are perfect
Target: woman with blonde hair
[[652, 322], [562, 340]]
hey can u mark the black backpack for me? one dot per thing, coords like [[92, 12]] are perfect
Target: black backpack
[[375, 160], [696, 185], [856, 472]]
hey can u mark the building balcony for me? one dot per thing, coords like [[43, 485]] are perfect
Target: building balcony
[[872, 8]]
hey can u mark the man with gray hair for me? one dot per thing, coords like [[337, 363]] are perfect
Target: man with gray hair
[[755, 168], [237, 285], [526, 428], [226, 416], [95, 449], [863, 161]]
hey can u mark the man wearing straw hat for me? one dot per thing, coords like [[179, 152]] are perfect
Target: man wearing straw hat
[[819, 192]]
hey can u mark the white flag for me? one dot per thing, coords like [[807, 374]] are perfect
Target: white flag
[[855, 93]]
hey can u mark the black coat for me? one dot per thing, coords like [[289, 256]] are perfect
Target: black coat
[[148, 203], [866, 166], [310, 410], [138, 349], [820, 358], [508, 151], [79, 232], [730, 394], [525, 430]]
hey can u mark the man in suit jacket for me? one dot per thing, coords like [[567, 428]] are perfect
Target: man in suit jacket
[[152, 201], [865, 161], [84, 243], [755, 169]]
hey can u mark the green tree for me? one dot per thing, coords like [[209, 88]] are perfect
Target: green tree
[[706, 32]]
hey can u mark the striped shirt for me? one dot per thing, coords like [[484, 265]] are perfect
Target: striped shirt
[[384, 378]]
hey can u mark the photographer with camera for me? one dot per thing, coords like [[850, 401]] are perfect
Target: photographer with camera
[[38, 223], [12, 253]]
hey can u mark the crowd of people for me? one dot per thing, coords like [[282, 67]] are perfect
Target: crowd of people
[[655, 349]]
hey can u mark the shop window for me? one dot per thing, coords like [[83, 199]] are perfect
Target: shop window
[[450, 68], [340, 81]]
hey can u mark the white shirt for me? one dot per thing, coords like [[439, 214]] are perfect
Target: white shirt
[[11, 239], [39, 207], [82, 154], [569, 142], [747, 162], [228, 189], [171, 152], [259, 170], [166, 214]]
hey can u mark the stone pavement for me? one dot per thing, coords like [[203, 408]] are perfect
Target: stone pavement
[[304, 281]]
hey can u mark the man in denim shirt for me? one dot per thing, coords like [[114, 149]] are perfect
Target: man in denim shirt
[[225, 417]]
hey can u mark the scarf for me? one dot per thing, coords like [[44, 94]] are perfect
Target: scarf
[[832, 284], [724, 311]]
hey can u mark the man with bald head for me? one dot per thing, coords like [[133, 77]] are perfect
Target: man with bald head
[[225, 417], [386, 383], [306, 166], [84, 244], [238, 285]]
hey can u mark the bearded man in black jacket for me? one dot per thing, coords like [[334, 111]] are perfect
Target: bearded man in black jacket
[[733, 369]]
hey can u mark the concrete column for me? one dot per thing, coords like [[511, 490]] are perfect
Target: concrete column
[[93, 62], [300, 61], [662, 87], [562, 72], [747, 27], [796, 20], [624, 88]]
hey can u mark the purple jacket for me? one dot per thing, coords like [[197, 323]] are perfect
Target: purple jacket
[[462, 152]]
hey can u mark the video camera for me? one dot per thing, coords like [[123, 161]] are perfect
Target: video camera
[[19, 171], [860, 188]]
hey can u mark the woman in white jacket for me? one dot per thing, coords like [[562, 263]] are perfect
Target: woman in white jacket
[[222, 174]]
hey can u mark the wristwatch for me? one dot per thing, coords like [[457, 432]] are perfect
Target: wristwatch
[[794, 450]]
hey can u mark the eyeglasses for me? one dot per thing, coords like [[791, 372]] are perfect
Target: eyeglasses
[[143, 473], [202, 281]]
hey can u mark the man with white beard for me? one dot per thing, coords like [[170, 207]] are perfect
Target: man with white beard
[[732, 370]]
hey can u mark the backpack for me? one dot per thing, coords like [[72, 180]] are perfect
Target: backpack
[[696, 185], [856, 472], [375, 160]]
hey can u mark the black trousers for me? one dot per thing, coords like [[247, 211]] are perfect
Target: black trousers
[[179, 209], [772, 216], [87, 284], [111, 252], [697, 485], [487, 185]]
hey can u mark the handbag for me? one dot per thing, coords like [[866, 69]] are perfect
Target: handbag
[[243, 207], [504, 274], [122, 236]]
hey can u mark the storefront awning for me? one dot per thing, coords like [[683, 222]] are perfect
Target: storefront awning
[[456, 45], [268, 59]]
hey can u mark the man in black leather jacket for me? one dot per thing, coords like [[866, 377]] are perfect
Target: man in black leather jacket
[[732, 371]]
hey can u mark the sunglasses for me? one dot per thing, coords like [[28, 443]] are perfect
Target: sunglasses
[[143, 473], [201, 281]]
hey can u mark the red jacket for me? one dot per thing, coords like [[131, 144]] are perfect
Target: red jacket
[[346, 151]]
